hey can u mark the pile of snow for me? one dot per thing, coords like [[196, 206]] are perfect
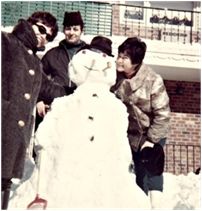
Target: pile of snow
[[182, 192]]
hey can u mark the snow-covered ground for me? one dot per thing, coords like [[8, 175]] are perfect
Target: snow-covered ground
[[182, 192]]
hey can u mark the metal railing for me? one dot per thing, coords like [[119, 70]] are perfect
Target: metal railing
[[158, 23], [182, 159], [108, 19]]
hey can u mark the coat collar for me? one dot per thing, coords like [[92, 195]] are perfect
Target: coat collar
[[138, 79], [67, 45], [71, 49], [24, 32]]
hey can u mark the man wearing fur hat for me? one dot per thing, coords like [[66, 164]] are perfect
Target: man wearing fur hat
[[55, 61]]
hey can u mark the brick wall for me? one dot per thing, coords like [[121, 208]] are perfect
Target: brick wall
[[183, 151], [183, 143], [184, 96]]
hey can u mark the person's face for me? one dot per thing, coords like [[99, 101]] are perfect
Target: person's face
[[124, 64], [42, 33], [73, 33]]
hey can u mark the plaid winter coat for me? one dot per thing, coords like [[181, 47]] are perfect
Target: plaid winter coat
[[147, 103]]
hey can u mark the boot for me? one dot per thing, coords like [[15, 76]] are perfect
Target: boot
[[5, 193], [156, 199], [4, 199]]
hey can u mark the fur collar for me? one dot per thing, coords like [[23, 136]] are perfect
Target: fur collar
[[24, 32]]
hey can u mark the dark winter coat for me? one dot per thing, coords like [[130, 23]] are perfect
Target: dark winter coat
[[55, 62], [21, 82]]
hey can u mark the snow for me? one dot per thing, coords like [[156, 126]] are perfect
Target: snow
[[69, 158], [181, 192]]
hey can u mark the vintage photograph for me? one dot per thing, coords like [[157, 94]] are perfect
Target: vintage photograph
[[101, 105]]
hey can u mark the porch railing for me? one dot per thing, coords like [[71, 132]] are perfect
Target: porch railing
[[182, 159], [108, 19], [157, 23]]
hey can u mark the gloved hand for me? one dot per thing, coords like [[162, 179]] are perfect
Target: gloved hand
[[153, 159], [69, 90]]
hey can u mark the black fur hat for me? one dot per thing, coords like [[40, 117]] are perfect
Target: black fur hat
[[100, 43], [153, 159], [103, 44], [73, 19]]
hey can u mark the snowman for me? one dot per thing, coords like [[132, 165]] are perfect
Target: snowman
[[85, 151]]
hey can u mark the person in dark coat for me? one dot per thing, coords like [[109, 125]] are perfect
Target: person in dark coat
[[56, 60], [21, 84]]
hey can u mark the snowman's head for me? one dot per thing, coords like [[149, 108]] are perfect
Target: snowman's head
[[93, 64]]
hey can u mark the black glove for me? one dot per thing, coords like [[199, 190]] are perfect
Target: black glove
[[153, 159]]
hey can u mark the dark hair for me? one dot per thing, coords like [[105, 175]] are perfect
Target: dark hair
[[47, 19], [134, 48]]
